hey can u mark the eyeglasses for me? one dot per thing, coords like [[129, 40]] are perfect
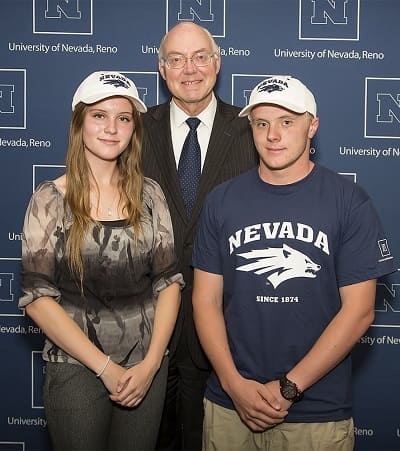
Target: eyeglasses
[[198, 59]]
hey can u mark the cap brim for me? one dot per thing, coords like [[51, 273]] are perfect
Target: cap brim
[[139, 105], [247, 110]]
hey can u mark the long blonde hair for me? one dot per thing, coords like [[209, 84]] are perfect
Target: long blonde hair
[[79, 179]]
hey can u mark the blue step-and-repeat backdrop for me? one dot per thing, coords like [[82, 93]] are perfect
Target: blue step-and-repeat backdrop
[[347, 51]]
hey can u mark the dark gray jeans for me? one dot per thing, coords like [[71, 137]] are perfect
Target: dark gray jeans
[[81, 417]]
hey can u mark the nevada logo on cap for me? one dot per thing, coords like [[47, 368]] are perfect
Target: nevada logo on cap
[[272, 84], [117, 80]]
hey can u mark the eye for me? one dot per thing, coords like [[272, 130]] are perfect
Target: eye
[[200, 57], [98, 115], [175, 59], [261, 124], [125, 118], [287, 122]]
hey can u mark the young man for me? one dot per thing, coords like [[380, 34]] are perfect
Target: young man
[[284, 286], [189, 62]]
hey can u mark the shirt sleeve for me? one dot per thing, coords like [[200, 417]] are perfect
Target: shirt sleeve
[[42, 233], [365, 253], [164, 261], [206, 251]]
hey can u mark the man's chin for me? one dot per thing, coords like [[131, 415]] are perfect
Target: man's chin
[[193, 98]]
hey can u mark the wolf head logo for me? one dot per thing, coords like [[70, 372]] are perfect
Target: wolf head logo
[[117, 83], [280, 264], [270, 88]]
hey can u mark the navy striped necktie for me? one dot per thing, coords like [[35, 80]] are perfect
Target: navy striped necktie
[[189, 167]]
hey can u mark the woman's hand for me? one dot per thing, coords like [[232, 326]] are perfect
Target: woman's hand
[[134, 384], [112, 375]]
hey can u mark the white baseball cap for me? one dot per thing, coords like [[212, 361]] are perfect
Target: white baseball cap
[[102, 84], [282, 90]]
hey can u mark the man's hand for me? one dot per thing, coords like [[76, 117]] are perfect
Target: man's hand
[[257, 405]]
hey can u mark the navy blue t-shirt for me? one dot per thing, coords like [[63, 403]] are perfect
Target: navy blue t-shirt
[[284, 251]]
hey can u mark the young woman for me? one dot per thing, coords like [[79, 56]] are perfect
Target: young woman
[[100, 278]]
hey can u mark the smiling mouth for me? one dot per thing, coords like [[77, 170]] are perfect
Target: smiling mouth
[[189, 83], [108, 141]]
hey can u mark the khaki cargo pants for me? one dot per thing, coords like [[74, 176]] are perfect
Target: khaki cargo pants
[[223, 430]]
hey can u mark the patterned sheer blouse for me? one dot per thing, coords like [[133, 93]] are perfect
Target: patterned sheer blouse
[[121, 280]]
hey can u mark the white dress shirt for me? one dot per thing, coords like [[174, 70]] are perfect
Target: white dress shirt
[[180, 129]]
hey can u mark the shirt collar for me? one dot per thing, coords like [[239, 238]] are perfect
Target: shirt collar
[[178, 116]]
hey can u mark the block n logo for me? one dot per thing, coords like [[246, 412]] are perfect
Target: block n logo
[[12, 98], [6, 99], [387, 299], [328, 10], [191, 9], [382, 107], [6, 280], [335, 20], [387, 305], [10, 288], [67, 8], [388, 107], [209, 14], [63, 17]]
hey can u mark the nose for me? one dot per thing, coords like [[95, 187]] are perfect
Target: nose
[[189, 66], [110, 126], [273, 133]]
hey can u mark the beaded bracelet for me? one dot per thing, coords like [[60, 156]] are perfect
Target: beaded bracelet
[[104, 367]]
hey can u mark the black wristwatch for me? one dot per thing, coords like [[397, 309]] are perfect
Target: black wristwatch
[[289, 390]]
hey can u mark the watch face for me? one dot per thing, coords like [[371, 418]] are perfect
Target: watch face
[[289, 392]]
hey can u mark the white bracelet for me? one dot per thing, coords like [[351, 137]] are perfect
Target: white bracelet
[[104, 367]]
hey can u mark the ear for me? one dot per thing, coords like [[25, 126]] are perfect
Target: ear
[[161, 68], [313, 127], [217, 63]]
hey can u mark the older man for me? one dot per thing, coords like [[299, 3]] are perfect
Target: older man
[[189, 62]]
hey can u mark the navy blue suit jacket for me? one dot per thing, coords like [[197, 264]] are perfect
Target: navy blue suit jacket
[[230, 152]]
